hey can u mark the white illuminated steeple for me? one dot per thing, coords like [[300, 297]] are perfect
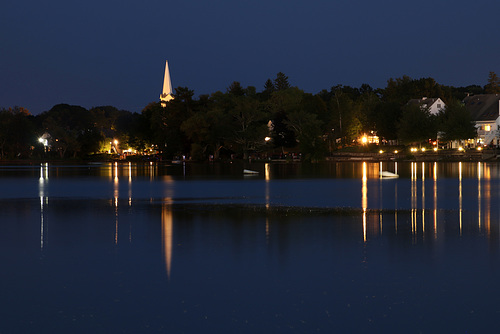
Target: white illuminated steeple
[[166, 95]]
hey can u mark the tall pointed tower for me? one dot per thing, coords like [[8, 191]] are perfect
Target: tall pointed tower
[[166, 95]]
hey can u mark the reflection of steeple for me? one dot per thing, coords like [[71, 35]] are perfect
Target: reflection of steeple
[[167, 233], [166, 94]]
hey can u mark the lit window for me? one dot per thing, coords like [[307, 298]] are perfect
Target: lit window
[[487, 128]]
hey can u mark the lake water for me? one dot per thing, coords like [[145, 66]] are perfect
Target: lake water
[[202, 248]]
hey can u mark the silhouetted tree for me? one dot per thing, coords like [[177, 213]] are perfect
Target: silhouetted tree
[[281, 82], [455, 122], [493, 86]]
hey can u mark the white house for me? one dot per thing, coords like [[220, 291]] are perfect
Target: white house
[[434, 105], [485, 112]]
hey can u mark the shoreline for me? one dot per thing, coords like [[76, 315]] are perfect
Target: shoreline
[[488, 155]]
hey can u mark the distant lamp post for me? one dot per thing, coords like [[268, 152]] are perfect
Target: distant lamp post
[[364, 140], [113, 146], [44, 142]]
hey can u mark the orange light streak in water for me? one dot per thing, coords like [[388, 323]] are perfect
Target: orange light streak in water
[[167, 233]]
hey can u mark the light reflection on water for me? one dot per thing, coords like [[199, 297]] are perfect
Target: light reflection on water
[[405, 193], [313, 269]]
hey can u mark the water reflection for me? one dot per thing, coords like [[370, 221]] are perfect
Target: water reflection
[[167, 229], [116, 192], [44, 199], [424, 189], [429, 188], [460, 207], [364, 199], [267, 173]]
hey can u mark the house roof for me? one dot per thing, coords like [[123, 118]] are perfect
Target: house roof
[[483, 107], [425, 101]]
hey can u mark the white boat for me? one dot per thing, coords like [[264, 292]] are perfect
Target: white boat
[[249, 171], [387, 174]]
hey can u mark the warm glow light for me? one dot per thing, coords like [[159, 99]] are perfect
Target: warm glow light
[[396, 152], [487, 128], [364, 140], [116, 142], [380, 151], [460, 148], [43, 141], [423, 149], [267, 138], [479, 148], [435, 149]]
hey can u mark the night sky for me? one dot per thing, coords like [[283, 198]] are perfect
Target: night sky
[[93, 53]]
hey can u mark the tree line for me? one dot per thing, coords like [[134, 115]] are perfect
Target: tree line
[[241, 121]]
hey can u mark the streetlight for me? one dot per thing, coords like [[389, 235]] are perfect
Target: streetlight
[[44, 142]]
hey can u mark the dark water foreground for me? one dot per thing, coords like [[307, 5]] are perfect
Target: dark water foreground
[[85, 252]]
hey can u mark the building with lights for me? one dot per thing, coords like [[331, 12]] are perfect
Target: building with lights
[[485, 112]]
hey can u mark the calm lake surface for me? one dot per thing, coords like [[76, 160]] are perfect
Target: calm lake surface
[[202, 248]]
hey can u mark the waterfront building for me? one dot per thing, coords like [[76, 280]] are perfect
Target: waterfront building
[[485, 112]]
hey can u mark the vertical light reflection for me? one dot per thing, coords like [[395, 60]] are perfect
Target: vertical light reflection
[[380, 222], [479, 213], [115, 171], [115, 197], [267, 175], [435, 199], [423, 199], [44, 200], [152, 170], [267, 230], [130, 172], [487, 198], [396, 221], [129, 184], [460, 196], [414, 198], [364, 199], [396, 207], [486, 195], [167, 228]]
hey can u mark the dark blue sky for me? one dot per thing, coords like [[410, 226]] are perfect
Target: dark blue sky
[[111, 52]]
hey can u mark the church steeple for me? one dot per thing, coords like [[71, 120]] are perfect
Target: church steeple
[[166, 95]]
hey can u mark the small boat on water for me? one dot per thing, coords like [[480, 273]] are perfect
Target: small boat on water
[[250, 172], [387, 174]]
